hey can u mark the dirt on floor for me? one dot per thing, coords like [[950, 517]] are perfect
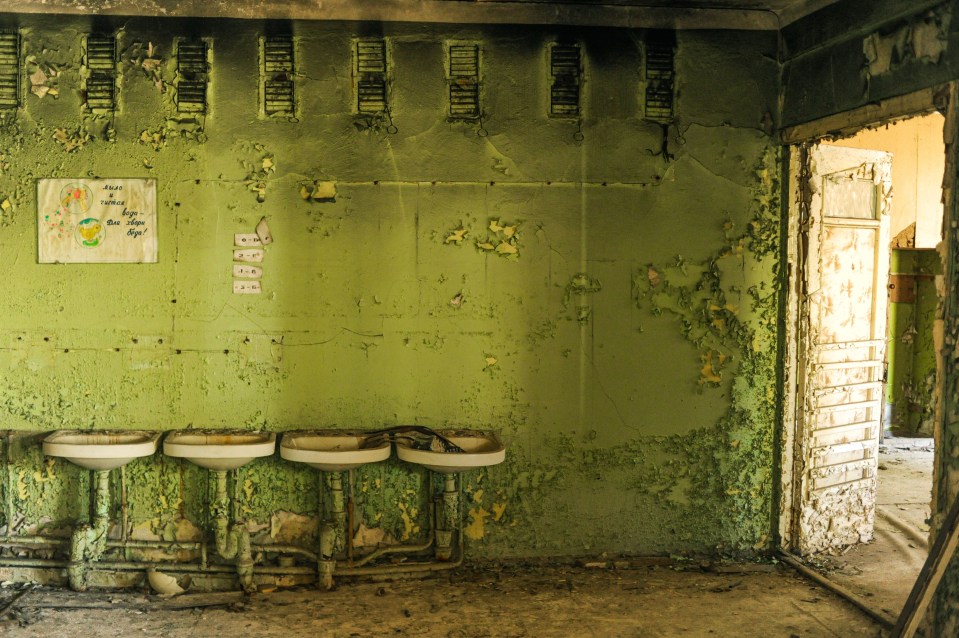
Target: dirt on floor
[[882, 572], [487, 602]]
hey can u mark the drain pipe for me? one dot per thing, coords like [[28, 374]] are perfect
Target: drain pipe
[[450, 519], [88, 542], [333, 531], [232, 541]]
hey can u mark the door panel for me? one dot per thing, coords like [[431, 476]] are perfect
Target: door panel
[[842, 344]]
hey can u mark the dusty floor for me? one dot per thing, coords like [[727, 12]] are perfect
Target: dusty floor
[[883, 571], [488, 603]]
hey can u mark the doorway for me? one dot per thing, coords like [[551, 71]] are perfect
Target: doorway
[[867, 227]]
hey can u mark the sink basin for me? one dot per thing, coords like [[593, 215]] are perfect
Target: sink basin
[[480, 449], [219, 450], [330, 450], [100, 450]]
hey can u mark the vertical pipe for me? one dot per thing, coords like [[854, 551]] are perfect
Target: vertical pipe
[[337, 510], [349, 516], [89, 541], [7, 482], [232, 541], [326, 559], [446, 528], [123, 510]]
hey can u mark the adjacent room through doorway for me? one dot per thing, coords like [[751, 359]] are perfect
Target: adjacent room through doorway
[[871, 405]]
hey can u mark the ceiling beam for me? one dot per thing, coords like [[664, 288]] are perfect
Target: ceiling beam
[[436, 11]]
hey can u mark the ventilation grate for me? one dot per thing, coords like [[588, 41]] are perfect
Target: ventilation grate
[[9, 70], [659, 76], [371, 98], [565, 69], [101, 84], [278, 71], [192, 73], [464, 81]]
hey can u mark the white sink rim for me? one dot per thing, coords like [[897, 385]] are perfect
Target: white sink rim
[[331, 450], [219, 450], [481, 449], [101, 449]]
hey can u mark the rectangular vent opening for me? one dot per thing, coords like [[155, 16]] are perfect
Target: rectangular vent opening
[[101, 85], [192, 76], [464, 81], [278, 71], [371, 77], [566, 70], [9, 70], [660, 76]]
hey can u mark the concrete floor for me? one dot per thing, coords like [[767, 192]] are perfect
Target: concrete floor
[[883, 572], [492, 602]]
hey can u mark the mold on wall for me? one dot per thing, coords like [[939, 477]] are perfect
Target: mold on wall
[[610, 310]]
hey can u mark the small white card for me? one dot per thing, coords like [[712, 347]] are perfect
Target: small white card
[[246, 239], [250, 254], [263, 232], [246, 287], [247, 272]]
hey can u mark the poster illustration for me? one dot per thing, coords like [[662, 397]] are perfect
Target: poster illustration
[[96, 221]]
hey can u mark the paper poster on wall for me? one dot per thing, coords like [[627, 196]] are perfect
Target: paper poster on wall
[[96, 221]]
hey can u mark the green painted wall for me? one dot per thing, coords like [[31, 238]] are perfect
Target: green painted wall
[[626, 352], [911, 355]]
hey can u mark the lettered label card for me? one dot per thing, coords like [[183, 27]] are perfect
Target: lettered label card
[[249, 254], [246, 239], [247, 272], [246, 287]]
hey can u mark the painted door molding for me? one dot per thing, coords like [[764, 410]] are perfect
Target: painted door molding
[[843, 252]]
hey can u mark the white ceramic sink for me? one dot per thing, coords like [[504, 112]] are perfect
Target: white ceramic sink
[[480, 449], [331, 450], [100, 450], [219, 450]]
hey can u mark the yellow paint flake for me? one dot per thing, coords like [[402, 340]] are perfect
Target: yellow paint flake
[[268, 164], [477, 496], [509, 231], [47, 475], [6, 205], [486, 245], [248, 489], [477, 526], [506, 248], [22, 485], [494, 225], [653, 275], [491, 361], [456, 236], [498, 510], [708, 373], [409, 525]]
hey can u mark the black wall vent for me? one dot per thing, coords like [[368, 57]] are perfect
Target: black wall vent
[[101, 86], [660, 76], [464, 70], [192, 76], [371, 74], [9, 70], [566, 71], [278, 72]]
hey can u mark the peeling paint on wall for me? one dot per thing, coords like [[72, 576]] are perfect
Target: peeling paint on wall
[[591, 283]]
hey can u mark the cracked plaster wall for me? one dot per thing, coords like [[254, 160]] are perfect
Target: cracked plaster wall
[[623, 344]]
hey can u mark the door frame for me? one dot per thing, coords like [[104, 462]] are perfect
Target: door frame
[[798, 140]]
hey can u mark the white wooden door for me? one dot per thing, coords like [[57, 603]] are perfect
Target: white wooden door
[[845, 239]]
